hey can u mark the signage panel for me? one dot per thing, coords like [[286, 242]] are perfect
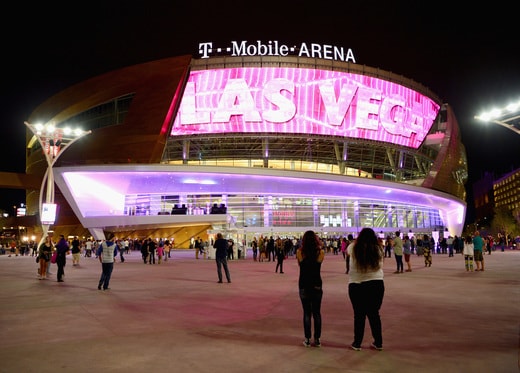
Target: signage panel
[[306, 101]]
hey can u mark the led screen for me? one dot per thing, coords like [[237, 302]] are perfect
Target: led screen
[[306, 101], [48, 213]]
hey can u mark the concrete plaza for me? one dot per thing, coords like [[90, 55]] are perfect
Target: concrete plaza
[[174, 317]]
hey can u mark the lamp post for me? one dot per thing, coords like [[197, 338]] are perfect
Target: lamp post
[[53, 141], [508, 117]]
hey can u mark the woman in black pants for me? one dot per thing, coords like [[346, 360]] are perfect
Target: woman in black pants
[[310, 256]]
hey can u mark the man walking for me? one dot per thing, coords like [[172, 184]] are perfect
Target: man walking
[[107, 251], [221, 247]]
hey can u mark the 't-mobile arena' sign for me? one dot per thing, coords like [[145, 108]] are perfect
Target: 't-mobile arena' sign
[[274, 48], [308, 101]]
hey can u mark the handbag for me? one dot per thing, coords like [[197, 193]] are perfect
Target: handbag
[[37, 259], [54, 256]]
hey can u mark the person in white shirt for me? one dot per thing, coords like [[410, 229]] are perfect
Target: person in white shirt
[[366, 287]]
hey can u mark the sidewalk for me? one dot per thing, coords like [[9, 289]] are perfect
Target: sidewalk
[[174, 317]]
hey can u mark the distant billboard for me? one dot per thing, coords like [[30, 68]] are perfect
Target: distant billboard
[[288, 100]]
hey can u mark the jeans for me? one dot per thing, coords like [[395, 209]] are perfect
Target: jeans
[[105, 275], [311, 304], [399, 262], [367, 298], [222, 262], [279, 264]]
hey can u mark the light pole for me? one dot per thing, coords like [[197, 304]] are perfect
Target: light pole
[[53, 141], [508, 117]]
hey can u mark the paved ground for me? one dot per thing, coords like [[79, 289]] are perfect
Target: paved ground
[[174, 317]]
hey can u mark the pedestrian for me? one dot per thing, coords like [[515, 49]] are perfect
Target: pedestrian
[[457, 244], [62, 249], [346, 243], [167, 249], [106, 253], [75, 250], [280, 256], [254, 247], [450, 245], [231, 250], [427, 251], [221, 253], [151, 250], [262, 249], [160, 253], [270, 248], [310, 255], [366, 287], [468, 253], [397, 246], [88, 248], [44, 256], [121, 248], [144, 250], [407, 252], [388, 246], [478, 246]]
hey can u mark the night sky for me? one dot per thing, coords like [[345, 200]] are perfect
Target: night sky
[[469, 58]]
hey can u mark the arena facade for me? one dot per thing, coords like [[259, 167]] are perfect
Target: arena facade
[[254, 144]]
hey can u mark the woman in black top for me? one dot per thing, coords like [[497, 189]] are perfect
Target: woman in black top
[[310, 256]]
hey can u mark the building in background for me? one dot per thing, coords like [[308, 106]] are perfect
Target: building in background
[[256, 145]]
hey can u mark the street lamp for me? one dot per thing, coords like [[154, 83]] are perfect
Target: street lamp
[[53, 141], [508, 117]]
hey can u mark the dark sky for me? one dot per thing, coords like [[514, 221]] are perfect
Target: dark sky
[[468, 57]]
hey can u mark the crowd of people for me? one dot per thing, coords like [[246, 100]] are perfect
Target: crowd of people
[[364, 256]]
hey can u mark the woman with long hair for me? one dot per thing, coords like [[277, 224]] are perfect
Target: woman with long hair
[[310, 256], [366, 287], [468, 252], [44, 256]]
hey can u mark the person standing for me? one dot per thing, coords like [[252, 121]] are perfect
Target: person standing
[[198, 247], [468, 253], [270, 248], [231, 250], [478, 246], [280, 256], [346, 243], [221, 253], [160, 253], [457, 244], [121, 248], [44, 256], [261, 248], [62, 249], [397, 246], [427, 251], [450, 246], [167, 249], [151, 250], [310, 255], [407, 251], [254, 247], [88, 248], [388, 246], [75, 250], [144, 250], [106, 253], [366, 287]]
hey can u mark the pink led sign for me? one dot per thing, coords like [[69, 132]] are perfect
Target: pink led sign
[[293, 100]]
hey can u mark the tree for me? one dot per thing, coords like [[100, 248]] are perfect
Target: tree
[[504, 223]]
